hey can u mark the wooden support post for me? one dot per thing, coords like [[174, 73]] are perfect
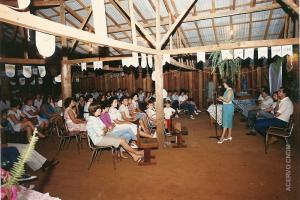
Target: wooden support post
[[258, 81], [200, 75], [66, 82], [159, 98]]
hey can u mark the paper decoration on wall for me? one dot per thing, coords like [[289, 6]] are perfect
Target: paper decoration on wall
[[34, 71], [23, 4], [238, 53], [200, 56], [125, 62], [150, 61], [262, 52], [153, 75], [144, 60], [227, 54], [276, 51], [42, 71], [249, 53], [22, 81], [98, 65], [166, 59], [10, 70], [57, 78], [83, 66], [40, 81], [45, 43], [27, 71], [287, 50]]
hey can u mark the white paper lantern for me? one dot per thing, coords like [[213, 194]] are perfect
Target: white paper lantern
[[45, 43], [42, 71], [27, 71]]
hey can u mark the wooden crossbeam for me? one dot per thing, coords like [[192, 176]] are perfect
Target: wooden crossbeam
[[177, 23], [234, 45], [99, 18], [165, 21], [139, 26], [90, 60], [180, 65], [24, 61], [38, 4], [30, 21]]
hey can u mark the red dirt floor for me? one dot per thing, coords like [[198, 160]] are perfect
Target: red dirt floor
[[204, 170]]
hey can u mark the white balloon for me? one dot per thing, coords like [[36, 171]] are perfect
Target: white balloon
[[45, 43]]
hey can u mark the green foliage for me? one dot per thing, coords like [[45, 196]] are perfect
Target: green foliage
[[228, 68], [18, 169]]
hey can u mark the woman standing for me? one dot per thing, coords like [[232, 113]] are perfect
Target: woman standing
[[228, 111]]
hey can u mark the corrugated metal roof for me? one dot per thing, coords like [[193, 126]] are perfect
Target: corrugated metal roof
[[222, 21], [73, 4], [276, 26], [223, 3], [258, 28], [205, 23], [241, 30], [241, 18], [242, 2], [208, 35], [145, 8], [114, 13], [278, 13], [203, 5], [260, 15], [223, 33]]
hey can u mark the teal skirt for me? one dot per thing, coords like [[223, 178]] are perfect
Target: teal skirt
[[227, 115]]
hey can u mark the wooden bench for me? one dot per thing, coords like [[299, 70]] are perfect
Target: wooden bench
[[147, 144], [178, 131]]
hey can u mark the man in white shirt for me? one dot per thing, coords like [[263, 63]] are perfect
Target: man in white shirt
[[32, 113], [282, 116], [265, 102]]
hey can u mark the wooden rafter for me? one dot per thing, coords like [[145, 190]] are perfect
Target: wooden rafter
[[252, 4], [25, 61], [197, 27], [140, 27], [177, 22], [213, 10], [268, 25], [234, 45], [132, 22], [37, 4], [90, 60]]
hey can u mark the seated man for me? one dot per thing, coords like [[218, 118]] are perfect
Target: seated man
[[186, 105], [265, 102], [269, 113], [282, 116]]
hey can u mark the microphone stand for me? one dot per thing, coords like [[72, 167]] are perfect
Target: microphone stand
[[216, 112]]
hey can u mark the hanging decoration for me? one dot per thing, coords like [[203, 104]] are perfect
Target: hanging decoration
[[83, 66], [45, 43], [166, 59], [276, 51], [238, 53], [22, 81], [125, 62], [153, 76], [135, 59], [42, 71], [249, 53], [164, 93], [262, 52], [150, 61], [226, 54], [10, 70], [27, 71], [23, 4], [200, 56], [98, 65], [57, 78], [144, 60], [32, 82]]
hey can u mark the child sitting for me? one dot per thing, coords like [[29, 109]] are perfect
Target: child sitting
[[168, 111], [151, 113]]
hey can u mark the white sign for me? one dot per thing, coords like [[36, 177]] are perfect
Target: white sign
[[249, 53], [98, 65], [200, 56], [238, 53], [83, 66], [276, 51], [166, 59], [144, 60], [135, 59], [10, 70], [27, 72], [262, 52], [226, 54], [42, 71], [150, 61]]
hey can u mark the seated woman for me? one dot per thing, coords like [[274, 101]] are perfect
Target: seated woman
[[124, 132], [73, 123], [134, 109], [116, 117], [47, 110], [33, 114], [89, 99], [19, 121], [101, 137]]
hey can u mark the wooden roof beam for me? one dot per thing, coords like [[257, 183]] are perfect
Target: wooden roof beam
[[290, 4], [90, 60], [177, 22], [30, 61], [234, 45], [30, 21], [36, 4]]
